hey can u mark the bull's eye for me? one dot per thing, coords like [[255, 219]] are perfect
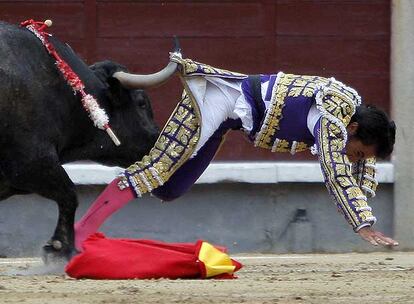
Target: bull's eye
[[142, 106]]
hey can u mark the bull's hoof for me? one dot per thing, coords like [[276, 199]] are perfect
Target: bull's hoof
[[55, 253]]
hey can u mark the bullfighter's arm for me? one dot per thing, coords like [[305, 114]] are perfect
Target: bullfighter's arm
[[349, 198], [364, 172]]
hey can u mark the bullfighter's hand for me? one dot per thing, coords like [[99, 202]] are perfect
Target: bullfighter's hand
[[176, 57], [375, 237]]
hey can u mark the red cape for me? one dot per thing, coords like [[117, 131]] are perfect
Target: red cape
[[106, 258]]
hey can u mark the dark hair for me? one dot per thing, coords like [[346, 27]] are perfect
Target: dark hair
[[375, 128]]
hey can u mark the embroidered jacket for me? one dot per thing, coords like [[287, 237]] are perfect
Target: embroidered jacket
[[281, 128], [284, 129]]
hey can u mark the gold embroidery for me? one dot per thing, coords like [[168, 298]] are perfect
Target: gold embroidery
[[173, 147], [338, 102], [344, 181], [353, 192], [365, 216], [274, 115], [295, 92], [364, 173], [191, 67], [301, 146], [338, 177], [282, 146], [360, 203]]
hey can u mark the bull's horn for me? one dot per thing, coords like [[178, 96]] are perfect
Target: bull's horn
[[135, 81]]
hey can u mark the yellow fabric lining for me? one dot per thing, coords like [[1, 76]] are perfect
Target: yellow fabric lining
[[215, 261]]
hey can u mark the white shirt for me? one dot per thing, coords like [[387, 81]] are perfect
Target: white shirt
[[220, 99]]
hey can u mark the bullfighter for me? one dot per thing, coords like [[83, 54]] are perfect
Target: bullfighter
[[280, 112]]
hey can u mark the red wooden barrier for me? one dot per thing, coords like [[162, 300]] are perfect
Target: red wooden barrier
[[349, 40]]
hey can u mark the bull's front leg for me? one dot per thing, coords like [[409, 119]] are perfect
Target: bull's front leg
[[46, 177], [61, 245], [62, 190]]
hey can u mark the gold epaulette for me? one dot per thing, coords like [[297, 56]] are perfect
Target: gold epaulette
[[192, 68]]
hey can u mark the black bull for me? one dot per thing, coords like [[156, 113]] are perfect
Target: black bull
[[43, 124]]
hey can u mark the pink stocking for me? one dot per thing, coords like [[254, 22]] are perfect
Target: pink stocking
[[109, 201]]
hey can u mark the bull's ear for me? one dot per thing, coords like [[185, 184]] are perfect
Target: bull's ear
[[116, 91]]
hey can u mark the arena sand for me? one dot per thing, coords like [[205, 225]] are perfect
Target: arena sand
[[386, 277]]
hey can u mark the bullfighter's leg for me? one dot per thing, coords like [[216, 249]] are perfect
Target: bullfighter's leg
[[182, 180], [109, 201], [47, 178], [113, 199], [217, 108]]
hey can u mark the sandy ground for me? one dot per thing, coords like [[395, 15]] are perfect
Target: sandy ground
[[321, 278]]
